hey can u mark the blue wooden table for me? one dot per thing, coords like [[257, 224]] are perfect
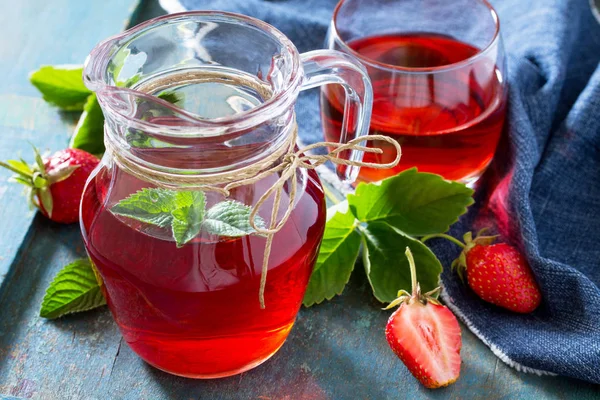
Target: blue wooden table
[[336, 350]]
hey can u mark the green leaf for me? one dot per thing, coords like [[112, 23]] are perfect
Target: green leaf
[[126, 77], [17, 170], [75, 288], [183, 211], [39, 182], [187, 198], [46, 200], [171, 96], [41, 167], [20, 167], [62, 86], [386, 265], [21, 180], [416, 203], [142, 140], [89, 132], [152, 205], [187, 220], [230, 218], [335, 262]]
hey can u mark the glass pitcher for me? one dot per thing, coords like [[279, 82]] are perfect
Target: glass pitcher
[[205, 97]]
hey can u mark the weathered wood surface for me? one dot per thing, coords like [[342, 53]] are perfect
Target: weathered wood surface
[[336, 350]]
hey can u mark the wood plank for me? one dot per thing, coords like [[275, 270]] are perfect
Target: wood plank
[[37, 32], [336, 350]]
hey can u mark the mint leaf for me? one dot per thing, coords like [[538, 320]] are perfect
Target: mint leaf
[[171, 96], [187, 198], [141, 140], [416, 203], [230, 218], [338, 253], [386, 266], [152, 205], [61, 86], [75, 288], [89, 132], [187, 220]]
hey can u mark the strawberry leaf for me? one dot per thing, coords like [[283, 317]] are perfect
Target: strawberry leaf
[[386, 216], [61, 86], [416, 203], [75, 288], [39, 182], [338, 253], [41, 167], [230, 218], [386, 266], [20, 167], [21, 180], [89, 132], [16, 170]]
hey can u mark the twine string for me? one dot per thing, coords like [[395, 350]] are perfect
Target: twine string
[[289, 161]]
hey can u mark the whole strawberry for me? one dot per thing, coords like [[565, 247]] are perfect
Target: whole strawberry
[[425, 335], [55, 184], [497, 273]]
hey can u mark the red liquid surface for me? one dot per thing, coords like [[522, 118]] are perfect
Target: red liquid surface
[[194, 311], [448, 123]]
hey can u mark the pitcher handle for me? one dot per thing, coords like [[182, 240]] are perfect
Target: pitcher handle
[[322, 67]]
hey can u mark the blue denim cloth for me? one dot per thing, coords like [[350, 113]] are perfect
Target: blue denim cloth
[[542, 191]]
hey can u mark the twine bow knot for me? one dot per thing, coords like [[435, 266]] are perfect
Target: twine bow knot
[[287, 169]]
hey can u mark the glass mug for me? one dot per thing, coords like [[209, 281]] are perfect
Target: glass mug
[[189, 96], [438, 73]]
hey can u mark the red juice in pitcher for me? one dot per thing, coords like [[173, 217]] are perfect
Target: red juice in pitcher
[[194, 311]]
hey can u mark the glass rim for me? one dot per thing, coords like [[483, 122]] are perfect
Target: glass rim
[[417, 70], [97, 61]]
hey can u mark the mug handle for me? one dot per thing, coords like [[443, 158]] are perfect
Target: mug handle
[[322, 67]]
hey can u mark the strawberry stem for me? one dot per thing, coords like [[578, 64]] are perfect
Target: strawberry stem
[[443, 236], [413, 272]]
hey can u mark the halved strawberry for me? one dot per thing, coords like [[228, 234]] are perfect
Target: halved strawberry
[[425, 335]]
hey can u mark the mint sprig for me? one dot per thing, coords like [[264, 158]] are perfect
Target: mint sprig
[[185, 212], [75, 288], [385, 218], [61, 86]]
